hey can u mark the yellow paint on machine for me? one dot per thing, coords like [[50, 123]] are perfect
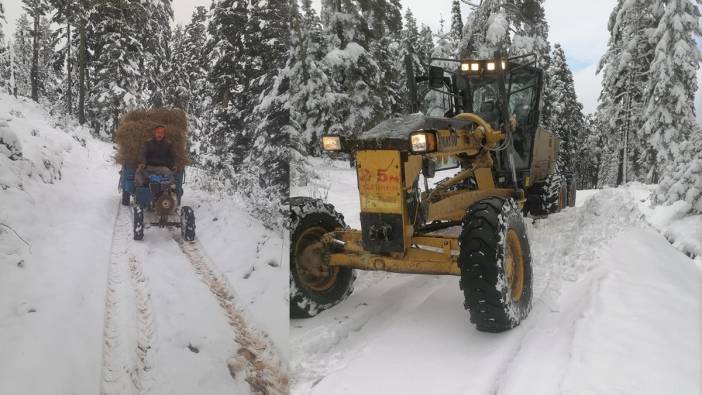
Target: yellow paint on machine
[[379, 175]]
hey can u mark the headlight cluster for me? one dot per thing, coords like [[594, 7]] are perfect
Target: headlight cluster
[[331, 143], [422, 142], [484, 65]]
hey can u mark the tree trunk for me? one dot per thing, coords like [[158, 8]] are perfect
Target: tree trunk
[[35, 58], [81, 72], [69, 70]]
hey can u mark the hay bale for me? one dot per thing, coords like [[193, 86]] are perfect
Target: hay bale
[[136, 127]]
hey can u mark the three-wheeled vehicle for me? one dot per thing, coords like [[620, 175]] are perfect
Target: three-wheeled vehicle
[[158, 202]]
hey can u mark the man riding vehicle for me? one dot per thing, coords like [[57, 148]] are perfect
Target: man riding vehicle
[[157, 157]]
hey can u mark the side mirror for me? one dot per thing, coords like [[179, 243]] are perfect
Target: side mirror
[[436, 77]]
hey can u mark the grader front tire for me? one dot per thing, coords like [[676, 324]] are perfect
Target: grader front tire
[[495, 263], [314, 286]]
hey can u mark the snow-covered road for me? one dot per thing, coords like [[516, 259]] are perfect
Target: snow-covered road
[[84, 309], [616, 310]]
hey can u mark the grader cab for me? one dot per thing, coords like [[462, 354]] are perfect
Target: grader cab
[[482, 120]]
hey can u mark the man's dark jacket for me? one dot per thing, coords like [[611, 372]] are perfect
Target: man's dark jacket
[[156, 153]]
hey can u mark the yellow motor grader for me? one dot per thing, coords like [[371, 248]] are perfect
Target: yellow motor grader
[[482, 120]]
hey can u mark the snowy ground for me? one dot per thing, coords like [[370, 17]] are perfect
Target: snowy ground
[[616, 310], [84, 309]]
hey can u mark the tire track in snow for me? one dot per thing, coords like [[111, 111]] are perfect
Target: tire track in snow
[[128, 319], [255, 356], [329, 349], [145, 324]]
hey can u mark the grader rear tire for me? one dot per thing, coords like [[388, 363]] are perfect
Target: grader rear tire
[[547, 197], [314, 286], [495, 263], [126, 198]]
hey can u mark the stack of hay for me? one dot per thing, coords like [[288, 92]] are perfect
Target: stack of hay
[[136, 127]]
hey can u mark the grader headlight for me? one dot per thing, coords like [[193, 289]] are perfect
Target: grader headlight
[[483, 66], [422, 142], [331, 143]]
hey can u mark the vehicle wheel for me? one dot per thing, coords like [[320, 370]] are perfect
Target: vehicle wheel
[[547, 197], [187, 223], [126, 198], [314, 286], [138, 224], [495, 263]]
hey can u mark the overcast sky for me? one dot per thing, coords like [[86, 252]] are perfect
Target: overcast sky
[[580, 27]]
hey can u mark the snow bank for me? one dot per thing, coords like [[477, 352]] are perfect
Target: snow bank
[[676, 221]]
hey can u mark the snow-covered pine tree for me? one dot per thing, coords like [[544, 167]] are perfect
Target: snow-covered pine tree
[[2, 18], [588, 156], [22, 57], [669, 112], [186, 81], [486, 30], [385, 48], [425, 46], [116, 55], [4, 51], [314, 94], [266, 168], [682, 178], [154, 35], [352, 68], [35, 9], [456, 22], [176, 87], [266, 44], [513, 27], [196, 63], [222, 144], [417, 51], [444, 49], [65, 16], [625, 72], [566, 118], [47, 80]]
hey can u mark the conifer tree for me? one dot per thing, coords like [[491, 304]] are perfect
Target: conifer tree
[[266, 167], [410, 50], [35, 9], [313, 94], [177, 93], [66, 14], [566, 118], [669, 112], [266, 42], [154, 35], [22, 57], [588, 141], [625, 69], [682, 178], [425, 45], [224, 140], [456, 22], [352, 67], [118, 52], [486, 30], [187, 75]]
